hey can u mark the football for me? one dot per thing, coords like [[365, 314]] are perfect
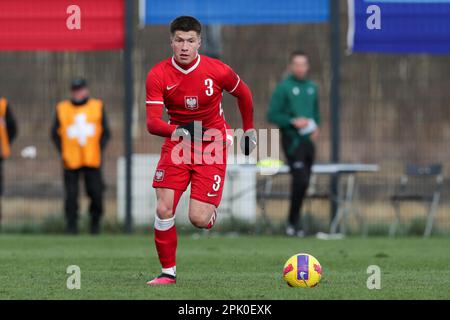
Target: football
[[302, 270]]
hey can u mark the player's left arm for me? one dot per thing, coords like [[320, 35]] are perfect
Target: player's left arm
[[239, 89]]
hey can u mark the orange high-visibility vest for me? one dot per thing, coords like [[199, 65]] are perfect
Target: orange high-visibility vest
[[80, 129], [5, 150]]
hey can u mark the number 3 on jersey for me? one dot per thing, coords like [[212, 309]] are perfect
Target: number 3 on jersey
[[209, 87], [217, 181]]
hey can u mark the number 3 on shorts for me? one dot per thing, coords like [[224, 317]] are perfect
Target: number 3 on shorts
[[217, 180]]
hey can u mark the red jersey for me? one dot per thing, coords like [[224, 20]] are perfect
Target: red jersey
[[193, 94]]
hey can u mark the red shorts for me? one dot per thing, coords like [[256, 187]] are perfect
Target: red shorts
[[206, 179]]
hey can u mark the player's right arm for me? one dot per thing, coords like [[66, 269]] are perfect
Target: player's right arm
[[154, 106]]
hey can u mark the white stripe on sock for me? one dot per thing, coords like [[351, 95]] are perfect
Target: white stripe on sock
[[164, 224], [172, 271]]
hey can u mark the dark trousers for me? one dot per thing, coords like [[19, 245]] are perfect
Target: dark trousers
[[300, 162], [94, 188]]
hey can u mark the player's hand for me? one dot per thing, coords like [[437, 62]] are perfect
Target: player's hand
[[300, 123], [192, 130], [248, 141]]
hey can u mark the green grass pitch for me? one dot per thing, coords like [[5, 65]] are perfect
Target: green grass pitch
[[220, 267]]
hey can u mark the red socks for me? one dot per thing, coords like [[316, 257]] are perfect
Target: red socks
[[166, 236], [166, 244]]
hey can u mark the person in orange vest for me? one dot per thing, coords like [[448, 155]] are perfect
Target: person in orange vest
[[80, 132], [8, 132]]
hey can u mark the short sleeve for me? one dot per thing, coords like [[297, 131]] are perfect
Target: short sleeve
[[154, 89], [230, 79]]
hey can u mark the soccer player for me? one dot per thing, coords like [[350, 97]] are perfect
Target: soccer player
[[190, 87]]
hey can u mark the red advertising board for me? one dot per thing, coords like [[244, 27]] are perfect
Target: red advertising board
[[58, 25]]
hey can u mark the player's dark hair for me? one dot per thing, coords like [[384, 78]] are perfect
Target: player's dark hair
[[185, 23], [297, 53]]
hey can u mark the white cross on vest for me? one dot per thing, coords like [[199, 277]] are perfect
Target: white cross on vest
[[81, 129]]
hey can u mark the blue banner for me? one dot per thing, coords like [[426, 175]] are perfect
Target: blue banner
[[235, 11], [399, 26]]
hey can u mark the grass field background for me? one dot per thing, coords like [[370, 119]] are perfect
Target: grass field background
[[221, 267]]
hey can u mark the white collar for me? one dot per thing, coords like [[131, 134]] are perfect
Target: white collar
[[174, 63]]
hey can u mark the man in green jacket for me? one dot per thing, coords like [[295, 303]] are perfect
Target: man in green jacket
[[294, 108]]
